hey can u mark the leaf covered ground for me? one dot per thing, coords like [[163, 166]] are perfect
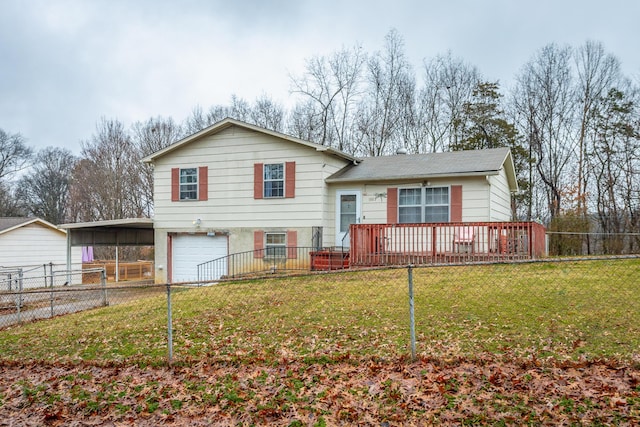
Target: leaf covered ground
[[484, 391], [534, 344]]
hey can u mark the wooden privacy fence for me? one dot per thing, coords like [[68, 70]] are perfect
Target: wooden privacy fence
[[436, 243], [138, 270]]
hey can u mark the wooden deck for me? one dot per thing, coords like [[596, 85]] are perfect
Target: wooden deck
[[445, 243]]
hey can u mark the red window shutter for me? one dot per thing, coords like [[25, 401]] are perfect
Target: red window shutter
[[290, 180], [456, 203], [292, 244], [258, 181], [203, 183], [392, 205], [175, 184], [258, 244]]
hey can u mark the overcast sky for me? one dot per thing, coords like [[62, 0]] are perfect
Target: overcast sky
[[64, 64]]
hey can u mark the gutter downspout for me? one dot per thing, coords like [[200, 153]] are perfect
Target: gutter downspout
[[69, 256], [489, 197]]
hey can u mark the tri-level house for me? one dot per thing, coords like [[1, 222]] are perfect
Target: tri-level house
[[235, 187]]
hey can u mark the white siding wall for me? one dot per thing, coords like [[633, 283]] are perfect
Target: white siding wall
[[230, 156], [500, 198], [475, 206], [35, 244], [31, 246]]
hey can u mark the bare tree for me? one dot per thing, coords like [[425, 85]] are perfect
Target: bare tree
[[448, 86], [545, 102], [149, 137], [268, 114], [386, 101], [106, 183], [597, 73], [329, 89], [14, 154], [9, 205], [614, 161], [155, 134], [197, 121], [264, 112], [44, 190], [303, 122]]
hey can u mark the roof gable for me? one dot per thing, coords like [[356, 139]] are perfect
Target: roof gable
[[8, 224], [227, 123], [431, 165]]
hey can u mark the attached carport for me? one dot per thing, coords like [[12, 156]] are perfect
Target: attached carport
[[117, 232]]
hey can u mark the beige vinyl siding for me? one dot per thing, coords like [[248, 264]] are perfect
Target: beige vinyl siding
[[500, 197], [35, 245], [230, 156], [231, 209], [475, 203]]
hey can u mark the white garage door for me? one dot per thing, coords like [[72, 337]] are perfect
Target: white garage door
[[191, 250]]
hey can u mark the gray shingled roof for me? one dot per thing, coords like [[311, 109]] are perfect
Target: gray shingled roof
[[420, 166], [9, 222]]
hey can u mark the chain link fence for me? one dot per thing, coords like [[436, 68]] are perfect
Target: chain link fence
[[45, 291], [562, 307], [558, 308]]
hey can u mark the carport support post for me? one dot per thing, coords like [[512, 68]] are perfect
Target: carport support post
[[169, 324], [69, 256], [117, 259], [412, 319]]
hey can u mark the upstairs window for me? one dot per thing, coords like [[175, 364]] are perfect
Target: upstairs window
[[273, 180], [189, 184]]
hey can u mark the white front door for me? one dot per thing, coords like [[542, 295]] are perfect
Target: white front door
[[347, 213]]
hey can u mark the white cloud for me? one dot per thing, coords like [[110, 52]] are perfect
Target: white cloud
[[66, 63]]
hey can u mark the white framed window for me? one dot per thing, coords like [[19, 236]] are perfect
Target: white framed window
[[410, 205], [428, 204], [189, 184], [275, 245], [436, 204], [273, 180]]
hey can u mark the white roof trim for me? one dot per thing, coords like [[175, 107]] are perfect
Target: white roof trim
[[140, 222], [32, 221], [228, 122]]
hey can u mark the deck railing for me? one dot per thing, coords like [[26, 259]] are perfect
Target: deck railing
[[436, 243], [390, 244]]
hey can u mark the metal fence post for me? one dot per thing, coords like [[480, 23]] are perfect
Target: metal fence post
[[103, 283], [412, 319], [169, 324], [20, 284], [50, 284]]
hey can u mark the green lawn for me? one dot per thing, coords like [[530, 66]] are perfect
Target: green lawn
[[561, 310]]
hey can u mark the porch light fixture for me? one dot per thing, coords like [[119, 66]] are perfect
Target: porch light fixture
[[197, 222]]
